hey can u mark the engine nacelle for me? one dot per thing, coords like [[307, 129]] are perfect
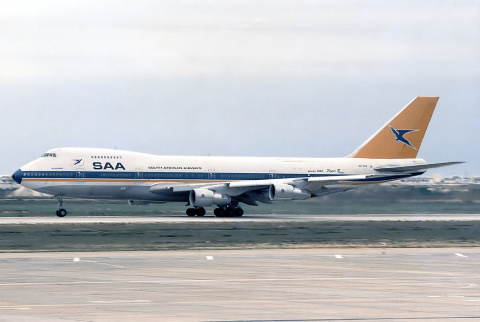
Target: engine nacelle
[[204, 198], [280, 191]]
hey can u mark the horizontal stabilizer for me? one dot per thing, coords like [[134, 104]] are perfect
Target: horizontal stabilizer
[[416, 168]]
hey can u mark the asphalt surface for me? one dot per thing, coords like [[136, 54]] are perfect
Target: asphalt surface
[[383, 284]]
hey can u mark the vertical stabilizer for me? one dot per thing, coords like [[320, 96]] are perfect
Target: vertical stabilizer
[[401, 137]]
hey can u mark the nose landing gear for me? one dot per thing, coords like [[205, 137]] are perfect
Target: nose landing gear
[[60, 211]]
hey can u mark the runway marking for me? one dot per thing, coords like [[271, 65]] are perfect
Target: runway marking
[[471, 285], [448, 296], [76, 260], [52, 283], [339, 256], [146, 302], [209, 258], [120, 301], [172, 281], [255, 280], [22, 307], [176, 281], [460, 255], [373, 270]]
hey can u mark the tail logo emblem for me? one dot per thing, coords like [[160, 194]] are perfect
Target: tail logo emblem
[[399, 136]]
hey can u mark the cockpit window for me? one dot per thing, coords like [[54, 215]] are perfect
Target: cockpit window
[[51, 155]]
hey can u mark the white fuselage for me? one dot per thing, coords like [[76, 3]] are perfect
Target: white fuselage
[[115, 174]]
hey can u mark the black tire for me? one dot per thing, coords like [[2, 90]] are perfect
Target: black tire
[[200, 212], [229, 212], [219, 212], [61, 212], [238, 212], [191, 212]]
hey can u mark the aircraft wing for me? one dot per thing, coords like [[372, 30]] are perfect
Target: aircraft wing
[[236, 188], [415, 168], [308, 183]]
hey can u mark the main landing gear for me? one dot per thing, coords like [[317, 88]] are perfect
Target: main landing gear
[[224, 211], [228, 212], [197, 211], [60, 211]]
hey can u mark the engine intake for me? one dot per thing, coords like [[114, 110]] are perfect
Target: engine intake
[[204, 198], [280, 191]]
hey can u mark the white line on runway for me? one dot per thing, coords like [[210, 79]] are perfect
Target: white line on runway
[[339, 256], [125, 301], [52, 283], [76, 260], [460, 255], [177, 281]]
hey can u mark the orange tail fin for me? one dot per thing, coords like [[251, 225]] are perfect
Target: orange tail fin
[[401, 137]]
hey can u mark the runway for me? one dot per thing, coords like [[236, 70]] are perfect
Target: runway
[[270, 218], [121, 233], [243, 285]]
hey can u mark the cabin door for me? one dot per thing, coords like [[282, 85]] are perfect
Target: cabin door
[[211, 174], [138, 174], [272, 174], [80, 174]]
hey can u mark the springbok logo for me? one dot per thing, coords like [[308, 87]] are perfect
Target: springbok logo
[[399, 136], [77, 162]]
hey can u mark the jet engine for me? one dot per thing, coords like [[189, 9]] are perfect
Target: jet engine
[[204, 198], [279, 191]]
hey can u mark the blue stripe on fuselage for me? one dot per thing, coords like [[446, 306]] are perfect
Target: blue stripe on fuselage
[[165, 175]]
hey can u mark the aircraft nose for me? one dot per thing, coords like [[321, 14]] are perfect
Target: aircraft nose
[[18, 176]]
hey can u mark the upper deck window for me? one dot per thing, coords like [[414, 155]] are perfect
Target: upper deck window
[[51, 155]]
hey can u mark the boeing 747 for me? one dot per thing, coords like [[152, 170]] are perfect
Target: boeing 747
[[226, 182]]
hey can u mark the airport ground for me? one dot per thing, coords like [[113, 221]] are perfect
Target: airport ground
[[354, 284], [30, 225], [106, 262]]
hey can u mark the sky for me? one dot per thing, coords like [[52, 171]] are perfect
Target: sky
[[237, 78]]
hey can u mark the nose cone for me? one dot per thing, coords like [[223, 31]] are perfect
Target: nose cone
[[18, 176]]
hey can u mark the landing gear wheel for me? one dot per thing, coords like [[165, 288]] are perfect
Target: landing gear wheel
[[219, 212], [197, 211], [228, 212], [201, 212], [237, 212], [61, 212]]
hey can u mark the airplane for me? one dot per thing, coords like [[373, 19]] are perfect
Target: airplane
[[226, 182]]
